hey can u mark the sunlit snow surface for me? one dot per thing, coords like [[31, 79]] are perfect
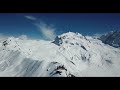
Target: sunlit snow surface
[[69, 55]]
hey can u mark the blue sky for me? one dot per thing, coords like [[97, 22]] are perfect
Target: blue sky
[[85, 23]]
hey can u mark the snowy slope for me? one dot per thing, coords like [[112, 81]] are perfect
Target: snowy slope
[[69, 55]]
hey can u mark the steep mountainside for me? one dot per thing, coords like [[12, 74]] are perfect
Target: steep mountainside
[[112, 38]]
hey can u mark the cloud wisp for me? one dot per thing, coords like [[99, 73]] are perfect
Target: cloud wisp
[[31, 18], [47, 31], [2, 36]]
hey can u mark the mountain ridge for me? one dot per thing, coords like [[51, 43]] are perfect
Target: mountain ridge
[[69, 55]]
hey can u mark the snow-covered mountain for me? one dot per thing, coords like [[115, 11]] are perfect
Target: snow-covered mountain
[[112, 38], [69, 55]]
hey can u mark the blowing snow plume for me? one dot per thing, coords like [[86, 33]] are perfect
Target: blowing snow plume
[[47, 31], [3, 37]]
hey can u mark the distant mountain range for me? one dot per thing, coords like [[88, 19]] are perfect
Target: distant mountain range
[[112, 38]]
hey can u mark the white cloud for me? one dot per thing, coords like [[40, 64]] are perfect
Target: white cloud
[[31, 18], [48, 31]]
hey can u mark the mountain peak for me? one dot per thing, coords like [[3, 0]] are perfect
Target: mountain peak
[[70, 35], [68, 38]]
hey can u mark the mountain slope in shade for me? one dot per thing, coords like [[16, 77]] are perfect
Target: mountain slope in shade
[[112, 38], [69, 55]]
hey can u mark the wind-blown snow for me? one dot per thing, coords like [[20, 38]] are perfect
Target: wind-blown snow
[[69, 55]]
